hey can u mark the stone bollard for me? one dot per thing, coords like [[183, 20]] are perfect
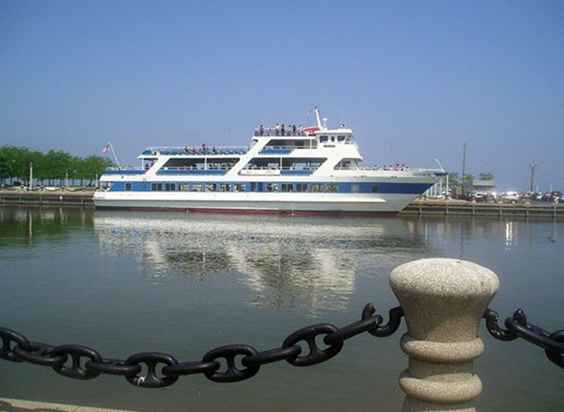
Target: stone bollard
[[443, 301]]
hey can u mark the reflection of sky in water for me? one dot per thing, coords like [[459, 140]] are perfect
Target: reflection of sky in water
[[283, 261]]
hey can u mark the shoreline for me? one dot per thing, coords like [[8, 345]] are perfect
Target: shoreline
[[419, 207]]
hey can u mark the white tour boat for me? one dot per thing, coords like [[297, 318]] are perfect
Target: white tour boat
[[283, 170]]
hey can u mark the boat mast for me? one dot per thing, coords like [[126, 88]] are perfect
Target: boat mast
[[111, 147], [318, 118]]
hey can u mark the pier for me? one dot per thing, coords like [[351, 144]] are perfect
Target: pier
[[466, 208], [420, 207], [45, 198]]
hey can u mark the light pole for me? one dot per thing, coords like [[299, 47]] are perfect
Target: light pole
[[30, 176], [532, 167], [463, 168]]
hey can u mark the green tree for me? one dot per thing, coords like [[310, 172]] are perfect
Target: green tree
[[95, 166], [53, 165]]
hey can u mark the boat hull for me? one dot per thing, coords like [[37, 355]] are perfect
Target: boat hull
[[264, 203]]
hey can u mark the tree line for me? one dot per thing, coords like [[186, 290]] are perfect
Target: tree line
[[52, 166]]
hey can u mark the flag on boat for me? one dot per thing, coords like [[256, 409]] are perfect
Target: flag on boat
[[106, 148], [310, 131]]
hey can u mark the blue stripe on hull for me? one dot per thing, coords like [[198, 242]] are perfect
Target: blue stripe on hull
[[385, 188]]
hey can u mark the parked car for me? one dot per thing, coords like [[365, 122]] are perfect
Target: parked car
[[510, 197], [551, 196], [483, 197]]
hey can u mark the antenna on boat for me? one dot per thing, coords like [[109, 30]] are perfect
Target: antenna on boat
[[110, 148], [318, 118], [440, 165]]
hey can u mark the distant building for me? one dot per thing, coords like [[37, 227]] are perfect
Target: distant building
[[487, 186]]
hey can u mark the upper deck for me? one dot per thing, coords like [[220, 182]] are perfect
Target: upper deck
[[279, 151], [280, 139]]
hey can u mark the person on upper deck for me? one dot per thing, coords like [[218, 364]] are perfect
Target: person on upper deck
[[261, 130]]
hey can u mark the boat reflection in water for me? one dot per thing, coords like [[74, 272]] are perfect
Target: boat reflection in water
[[283, 261]]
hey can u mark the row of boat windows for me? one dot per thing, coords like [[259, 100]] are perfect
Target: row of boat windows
[[259, 187], [325, 139]]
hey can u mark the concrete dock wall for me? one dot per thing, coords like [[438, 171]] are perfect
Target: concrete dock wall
[[418, 207]]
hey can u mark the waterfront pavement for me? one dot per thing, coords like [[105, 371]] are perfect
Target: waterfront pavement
[[18, 405]]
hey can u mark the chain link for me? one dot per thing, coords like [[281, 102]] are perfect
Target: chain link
[[517, 326], [233, 363], [10, 341], [230, 363]]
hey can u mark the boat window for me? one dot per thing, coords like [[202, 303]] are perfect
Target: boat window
[[287, 187], [349, 139], [272, 187], [375, 189], [341, 138], [210, 187], [332, 138], [323, 139], [157, 187], [347, 164], [355, 188], [128, 187]]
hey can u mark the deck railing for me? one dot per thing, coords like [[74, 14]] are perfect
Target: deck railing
[[192, 171], [193, 150], [277, 149], [285, 171], [124, 171]]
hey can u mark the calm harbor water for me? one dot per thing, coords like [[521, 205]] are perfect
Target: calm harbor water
[[126, 282]]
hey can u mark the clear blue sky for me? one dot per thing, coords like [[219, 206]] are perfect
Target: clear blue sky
[[414, 79]]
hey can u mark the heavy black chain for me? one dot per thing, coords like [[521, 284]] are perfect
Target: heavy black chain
[[156, 370], [517, 326]]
